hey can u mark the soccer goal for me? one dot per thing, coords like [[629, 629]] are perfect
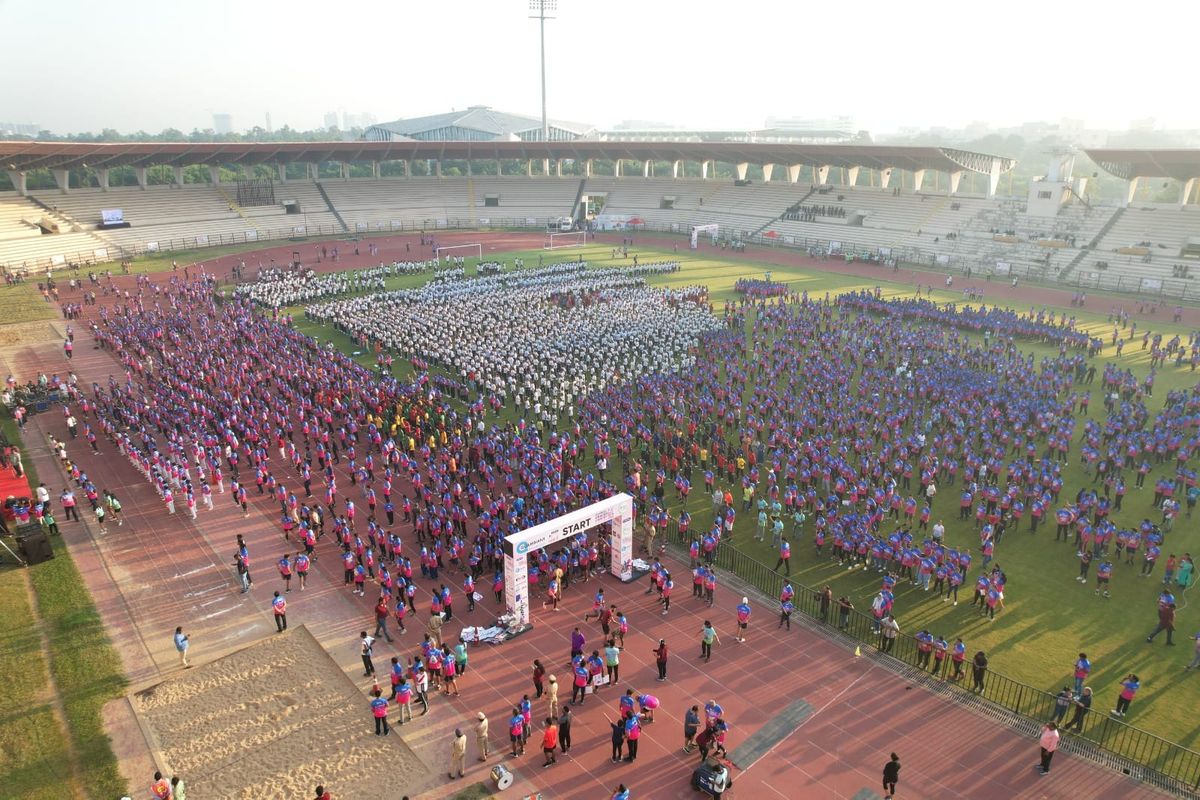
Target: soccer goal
[[459, 251], [712, 230], [556, 241]]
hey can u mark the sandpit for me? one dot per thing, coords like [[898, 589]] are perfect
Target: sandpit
[[273, 721]]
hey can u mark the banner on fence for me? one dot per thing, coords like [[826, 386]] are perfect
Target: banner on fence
[[251, 236], [441, 223], [885, 251], [397, 225], [58, 261], [943, 258], [1003, 268], [360, 226], [298, 230], [485, 221], [111, 216], [100, 254], [531, 222], [151, 247], [1152, 284], [789, 239], [202, 239]]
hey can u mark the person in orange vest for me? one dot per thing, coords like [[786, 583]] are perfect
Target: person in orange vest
[[279, 607], [161, 788]]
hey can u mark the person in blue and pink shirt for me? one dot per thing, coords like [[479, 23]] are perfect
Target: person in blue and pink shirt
[[743, 619]]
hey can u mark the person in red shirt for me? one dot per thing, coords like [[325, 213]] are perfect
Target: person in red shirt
[[381, 617], [549, 742], [160, 788], [321, 794]]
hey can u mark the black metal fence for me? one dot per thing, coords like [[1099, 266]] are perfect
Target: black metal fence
[[300, 231], [1142, 755]]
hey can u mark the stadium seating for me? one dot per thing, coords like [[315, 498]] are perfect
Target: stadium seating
[[929, 228], [1165, 227], [458, 200]]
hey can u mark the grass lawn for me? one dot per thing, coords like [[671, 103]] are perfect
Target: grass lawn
[[85, 666], [23, 302], [1049, 617], [33, 745]]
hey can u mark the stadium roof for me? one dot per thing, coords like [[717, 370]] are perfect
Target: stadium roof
[[1183, 165], [25, 156], [488, 121]]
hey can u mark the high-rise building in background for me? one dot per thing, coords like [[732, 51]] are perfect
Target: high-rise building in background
[[19, 129], [222, 123], [269, 129], [345, 121], [363, 119]]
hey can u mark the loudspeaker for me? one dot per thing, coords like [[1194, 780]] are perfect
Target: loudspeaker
[[33, 546]]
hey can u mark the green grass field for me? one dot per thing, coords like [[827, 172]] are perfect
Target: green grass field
[[1049, 617], [86, 671]]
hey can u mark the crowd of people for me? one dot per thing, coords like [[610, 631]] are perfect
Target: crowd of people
[[844, 412], [809, 213], [276, 287], [758, 288], [578, 330]]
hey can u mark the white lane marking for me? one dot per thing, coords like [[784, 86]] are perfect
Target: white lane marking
[[222, 611], [194, 571], [199, 592]]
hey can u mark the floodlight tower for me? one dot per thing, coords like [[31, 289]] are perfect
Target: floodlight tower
[[539, 9]]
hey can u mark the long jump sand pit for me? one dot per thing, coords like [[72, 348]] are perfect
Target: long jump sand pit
[[273, 721]]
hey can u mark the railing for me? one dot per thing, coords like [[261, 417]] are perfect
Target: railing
[[1176, 290], [299, 232], [1142, 755]]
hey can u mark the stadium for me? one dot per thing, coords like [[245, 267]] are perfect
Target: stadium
[[310, 441]]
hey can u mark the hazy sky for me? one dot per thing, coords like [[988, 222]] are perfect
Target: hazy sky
[[80, 65]]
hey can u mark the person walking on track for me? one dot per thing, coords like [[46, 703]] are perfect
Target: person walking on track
[[279, 608], [181, 646], [891, 776]]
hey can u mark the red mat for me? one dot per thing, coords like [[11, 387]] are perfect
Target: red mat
[[11, 485]]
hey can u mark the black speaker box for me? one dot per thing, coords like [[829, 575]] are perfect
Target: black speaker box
[[33, 545]]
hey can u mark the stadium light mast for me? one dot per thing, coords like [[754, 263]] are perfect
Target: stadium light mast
[[540, 7]]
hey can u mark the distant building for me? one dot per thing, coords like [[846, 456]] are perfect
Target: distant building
[[478, 124], [363, 119], [19, 129], [222, 123], [805, 129], [331, 120]]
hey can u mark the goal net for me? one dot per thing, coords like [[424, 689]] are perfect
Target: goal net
[[556, 241], [459, 251]]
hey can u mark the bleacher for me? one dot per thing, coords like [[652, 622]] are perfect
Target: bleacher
[[1161, 228], [23, 245], [540, 198], [738, 209], [314, 215], [163, 214], [957, 231], [422, 201], [18, 218]]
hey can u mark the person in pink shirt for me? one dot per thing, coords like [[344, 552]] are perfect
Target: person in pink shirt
[[1049, 743]]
